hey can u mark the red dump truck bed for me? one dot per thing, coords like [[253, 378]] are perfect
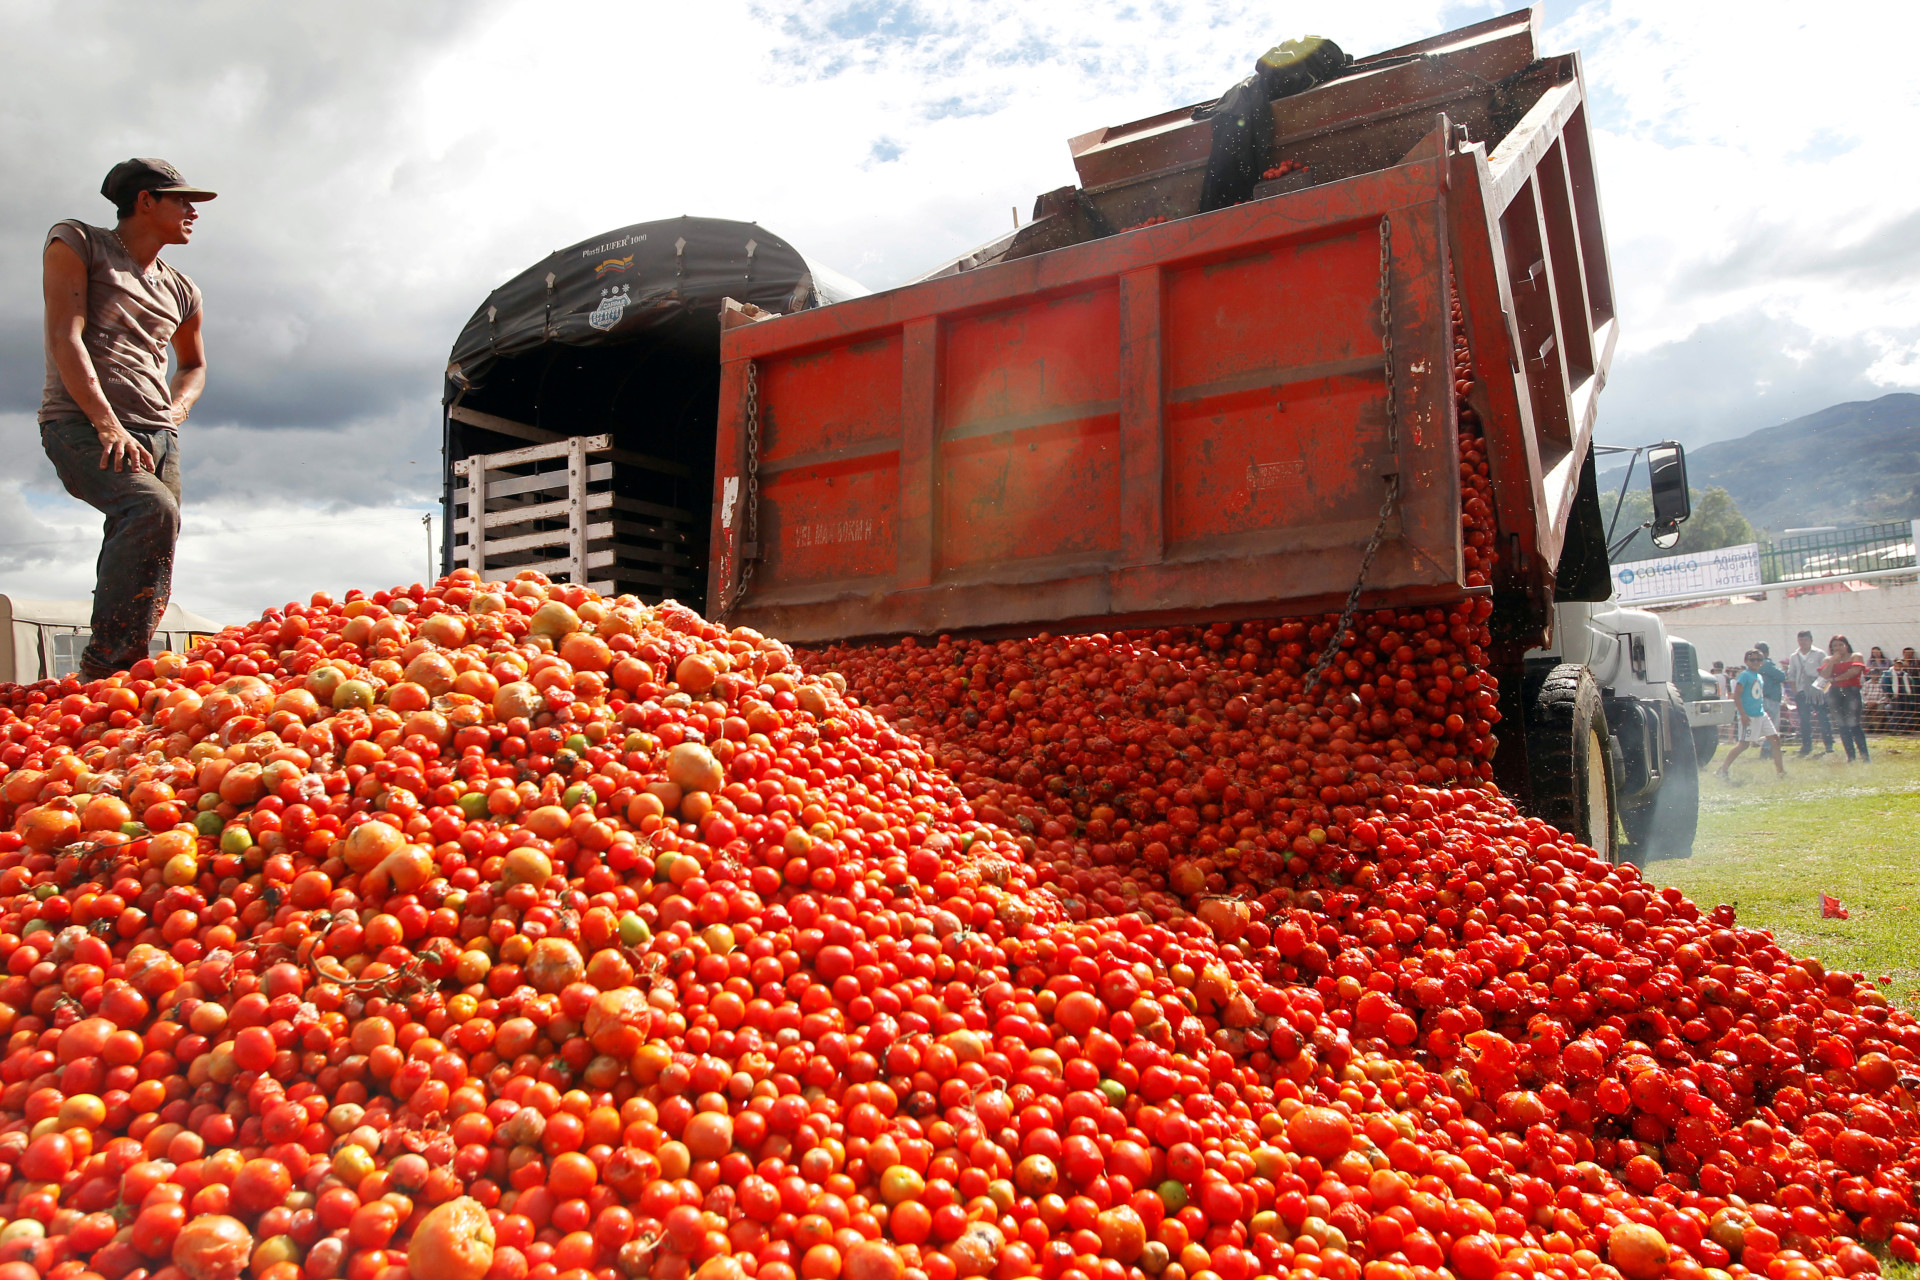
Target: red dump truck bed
[[1200, 418]]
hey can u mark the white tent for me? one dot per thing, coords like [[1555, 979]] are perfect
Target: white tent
[[44, 638]]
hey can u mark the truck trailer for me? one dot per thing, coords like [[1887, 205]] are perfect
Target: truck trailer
[[1159, 404]]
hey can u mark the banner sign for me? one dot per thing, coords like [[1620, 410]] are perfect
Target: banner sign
[[1730, 569]]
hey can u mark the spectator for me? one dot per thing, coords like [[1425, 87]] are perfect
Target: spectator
[[1903, 686], [1756, 726], [1809, 698], [1845, 671], [1875, 690], [1773, 691], [1719, 674]]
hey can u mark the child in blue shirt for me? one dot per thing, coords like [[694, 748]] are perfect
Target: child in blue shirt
[[1756, 726]]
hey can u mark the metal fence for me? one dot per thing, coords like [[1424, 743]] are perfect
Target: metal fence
[[1836, 553]]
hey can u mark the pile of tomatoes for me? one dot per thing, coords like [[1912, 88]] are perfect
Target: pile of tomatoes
[[492, 931]]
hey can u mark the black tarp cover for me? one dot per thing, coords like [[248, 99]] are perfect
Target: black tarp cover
[[617, 286]]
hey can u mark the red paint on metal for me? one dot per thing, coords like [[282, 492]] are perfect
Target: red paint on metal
[[1188, 420]]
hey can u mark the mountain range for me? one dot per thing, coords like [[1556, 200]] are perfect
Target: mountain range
[[1854, 463]]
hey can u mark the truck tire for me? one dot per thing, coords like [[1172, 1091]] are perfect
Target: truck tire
[[1570, 758], [1663, 828]]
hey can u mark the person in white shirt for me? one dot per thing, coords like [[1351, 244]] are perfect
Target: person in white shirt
[[1809, 700]]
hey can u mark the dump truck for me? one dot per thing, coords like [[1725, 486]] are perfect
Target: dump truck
[[1158, 404]]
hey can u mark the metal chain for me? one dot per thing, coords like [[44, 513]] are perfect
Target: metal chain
[[750, 518], [1359, 582], [1391, 478], [1386, 336]]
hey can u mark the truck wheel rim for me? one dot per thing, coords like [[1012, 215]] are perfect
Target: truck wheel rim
[[1599, 821]]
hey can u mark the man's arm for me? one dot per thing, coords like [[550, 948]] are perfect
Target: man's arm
[[189, 367], [64, 284]]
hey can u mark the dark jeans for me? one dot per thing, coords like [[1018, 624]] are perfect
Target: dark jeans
[[1847, 705], [134, 575], [1813, 703]]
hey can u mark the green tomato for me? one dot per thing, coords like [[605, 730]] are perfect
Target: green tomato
[[633, 930], [235, 839], [573, 796], [1115, 1092], [1173, 1195], [474, 805], [577, 744], [353, 693], [207, 803], [208, 823]]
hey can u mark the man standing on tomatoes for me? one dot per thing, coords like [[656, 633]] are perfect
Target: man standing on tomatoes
[[109, 415]]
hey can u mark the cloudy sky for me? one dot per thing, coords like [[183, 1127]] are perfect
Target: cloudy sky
[[382, 166]]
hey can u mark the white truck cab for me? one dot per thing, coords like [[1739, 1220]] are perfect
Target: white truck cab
[[1641, 731], [1616, 725]]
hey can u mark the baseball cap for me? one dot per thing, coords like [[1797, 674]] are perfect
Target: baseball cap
[[130, 177]]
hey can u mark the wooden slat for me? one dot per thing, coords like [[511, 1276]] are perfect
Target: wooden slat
[[503, 426], [540, 435], [537, 452], [577, 509], [627, 551], [559, 510], [628, 529], [667, 578], [549, 538], [649, 508], [533, 483], [595, 560], [525, 542], [473, 523]]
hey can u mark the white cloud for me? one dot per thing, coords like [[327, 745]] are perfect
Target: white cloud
[[1753, 161]]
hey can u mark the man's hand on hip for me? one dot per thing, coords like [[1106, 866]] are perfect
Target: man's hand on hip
[[118, 445]]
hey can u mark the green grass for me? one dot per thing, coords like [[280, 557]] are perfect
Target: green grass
[[1770, 846]]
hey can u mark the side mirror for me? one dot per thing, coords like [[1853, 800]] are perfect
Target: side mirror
[[1672, 500]]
